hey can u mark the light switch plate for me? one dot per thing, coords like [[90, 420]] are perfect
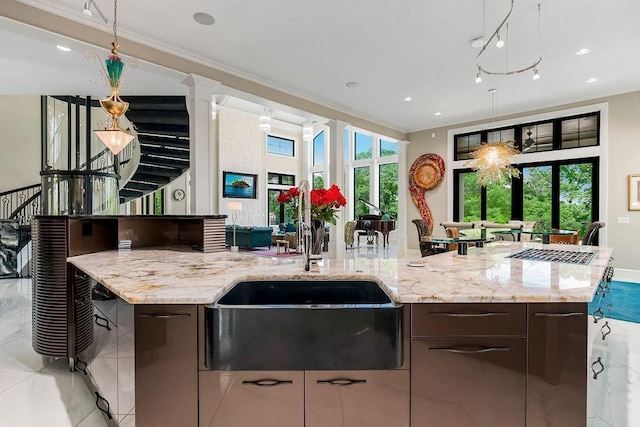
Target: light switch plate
[[623, 220]]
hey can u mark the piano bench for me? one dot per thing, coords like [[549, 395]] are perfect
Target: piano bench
[[369, 235]]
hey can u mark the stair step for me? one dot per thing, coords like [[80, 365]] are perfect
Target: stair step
[[142, 186], [162, 129], [166, 152], [165, 142], [160, 179], [158, 117], [154, 170], [128, 194], [161, 161], [176, 103]]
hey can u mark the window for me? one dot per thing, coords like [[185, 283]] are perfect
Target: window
[[388, 148], [361, 190], [318, 180], [388, 197], [555, 194], [556, 189], [363, 146], [471, 197], [580, 132], [498, 202], [318, 149], [465, 145], [537, 137], [536, 195], [576, 193], [280, 146], [281, 179], [279, 213], [370, 173]]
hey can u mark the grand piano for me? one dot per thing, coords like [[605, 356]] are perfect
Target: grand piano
[[375, 222]]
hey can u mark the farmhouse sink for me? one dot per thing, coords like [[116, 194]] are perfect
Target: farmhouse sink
[[306, 293], [303, 325]]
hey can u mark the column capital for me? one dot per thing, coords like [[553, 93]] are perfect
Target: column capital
[[193, 80]]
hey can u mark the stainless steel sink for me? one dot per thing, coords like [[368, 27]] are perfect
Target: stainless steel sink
[[304, 325]]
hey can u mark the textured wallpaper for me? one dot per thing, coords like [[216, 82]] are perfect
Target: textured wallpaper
[[242, 150]]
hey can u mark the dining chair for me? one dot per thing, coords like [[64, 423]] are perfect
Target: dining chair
[[426, 248], [453, 233], [567, 239]]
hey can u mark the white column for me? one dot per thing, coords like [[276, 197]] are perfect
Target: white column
[[403, 197], [334, 174], [203, 146]]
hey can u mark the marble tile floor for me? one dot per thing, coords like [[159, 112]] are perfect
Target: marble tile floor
[[37, 391]]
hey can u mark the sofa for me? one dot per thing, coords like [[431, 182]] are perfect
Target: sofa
[[248, 237]]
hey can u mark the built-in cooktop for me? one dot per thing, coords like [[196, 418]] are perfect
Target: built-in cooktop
[[555, 255]]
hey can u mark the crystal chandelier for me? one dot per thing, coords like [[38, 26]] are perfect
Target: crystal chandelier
[[492, 161]]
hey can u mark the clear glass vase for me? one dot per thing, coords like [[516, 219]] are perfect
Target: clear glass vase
[[317, 237]]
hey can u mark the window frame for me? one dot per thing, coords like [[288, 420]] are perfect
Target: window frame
[[294, 143]]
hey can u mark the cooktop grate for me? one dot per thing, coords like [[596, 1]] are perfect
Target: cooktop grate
[[554, 255]]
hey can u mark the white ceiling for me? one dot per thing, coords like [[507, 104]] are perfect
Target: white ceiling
[[394, 49]]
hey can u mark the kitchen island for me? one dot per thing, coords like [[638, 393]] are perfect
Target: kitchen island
[[488, 340]]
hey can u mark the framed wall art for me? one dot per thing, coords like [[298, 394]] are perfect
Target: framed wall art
[[634, 192]]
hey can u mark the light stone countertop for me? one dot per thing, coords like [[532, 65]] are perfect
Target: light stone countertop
[[178, 275]]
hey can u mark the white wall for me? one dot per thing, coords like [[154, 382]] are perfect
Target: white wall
[[623, 158], [20, 141]]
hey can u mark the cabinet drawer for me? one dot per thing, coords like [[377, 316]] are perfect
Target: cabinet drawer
[[251, 399], [468, 382], [468, 319], [357, 398]]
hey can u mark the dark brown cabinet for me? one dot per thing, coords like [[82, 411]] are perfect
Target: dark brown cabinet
[[357, 398], [468, 382], [557, 382], [468, 365], [251, 399], [166, 365]]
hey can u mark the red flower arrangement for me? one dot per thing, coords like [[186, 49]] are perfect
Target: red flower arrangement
[[324, 203]]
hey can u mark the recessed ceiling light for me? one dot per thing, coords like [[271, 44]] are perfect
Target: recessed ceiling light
[[477, 43], [583, 51], [408, 99], [352, 84], [204, 18], [437, 114], [63, 48], [593, 80]]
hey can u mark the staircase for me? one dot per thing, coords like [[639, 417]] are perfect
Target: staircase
[[162, 125]]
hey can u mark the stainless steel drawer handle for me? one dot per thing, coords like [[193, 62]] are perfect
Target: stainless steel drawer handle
[[444, 314], [468, 350], [267, 382], [166, 316], [341, 382], [607, 332], [573, 314], [599, 371]]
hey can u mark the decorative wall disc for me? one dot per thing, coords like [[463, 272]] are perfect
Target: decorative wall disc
[[425, 174]]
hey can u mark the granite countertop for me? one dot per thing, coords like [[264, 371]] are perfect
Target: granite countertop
[[178, 275]]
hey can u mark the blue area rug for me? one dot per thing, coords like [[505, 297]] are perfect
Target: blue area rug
[[625, 298]]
